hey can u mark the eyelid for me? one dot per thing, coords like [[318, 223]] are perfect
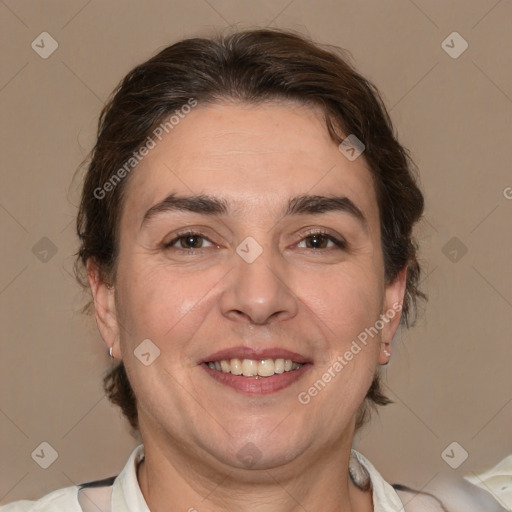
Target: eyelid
[[182, 234], [338, 240]]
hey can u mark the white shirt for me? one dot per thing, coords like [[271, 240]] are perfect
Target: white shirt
[[127, 496]]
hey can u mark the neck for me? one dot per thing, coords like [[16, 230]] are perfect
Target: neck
[[170, 480]]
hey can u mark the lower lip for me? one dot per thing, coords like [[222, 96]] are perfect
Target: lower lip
[[261, 385]]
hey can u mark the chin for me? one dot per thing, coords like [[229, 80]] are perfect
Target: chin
[[259, 452]]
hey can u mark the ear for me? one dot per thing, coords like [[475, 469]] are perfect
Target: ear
[[104, 307], [392, 313]]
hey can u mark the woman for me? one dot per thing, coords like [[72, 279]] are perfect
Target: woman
[[246, 225]]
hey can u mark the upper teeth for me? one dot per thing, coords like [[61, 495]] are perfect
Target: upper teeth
[[253, 367]]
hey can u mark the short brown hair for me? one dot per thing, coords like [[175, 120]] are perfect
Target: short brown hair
[[250, 66]]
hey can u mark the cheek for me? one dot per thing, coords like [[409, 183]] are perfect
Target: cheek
[[345, 309], [163, 304], [346, 301]]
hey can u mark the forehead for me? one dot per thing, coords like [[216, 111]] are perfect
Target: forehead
[[253, 156]]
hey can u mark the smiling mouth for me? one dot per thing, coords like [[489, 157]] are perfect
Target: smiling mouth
[[255, 368]]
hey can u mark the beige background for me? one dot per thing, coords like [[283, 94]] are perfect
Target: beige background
[[450, 376]]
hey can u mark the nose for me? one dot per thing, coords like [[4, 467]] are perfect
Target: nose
[[258, 292]]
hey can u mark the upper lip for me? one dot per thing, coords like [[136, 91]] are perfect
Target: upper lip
[[256, 354]]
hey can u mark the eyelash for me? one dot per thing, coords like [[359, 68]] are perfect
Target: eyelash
[[339, 243]]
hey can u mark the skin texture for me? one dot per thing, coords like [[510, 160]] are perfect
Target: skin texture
[[312, 301]]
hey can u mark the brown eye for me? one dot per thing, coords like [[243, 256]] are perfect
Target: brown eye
[[191, 242], [188, 241], [317, 241]]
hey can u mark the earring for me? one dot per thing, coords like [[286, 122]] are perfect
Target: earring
[[110, 352], [387, 352]]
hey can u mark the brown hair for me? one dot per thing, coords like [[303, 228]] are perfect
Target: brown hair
[[249, 66]]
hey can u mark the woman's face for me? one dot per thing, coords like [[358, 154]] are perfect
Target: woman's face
[[247, 235]]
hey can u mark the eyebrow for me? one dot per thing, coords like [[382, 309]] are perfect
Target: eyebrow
[[301, 205]]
